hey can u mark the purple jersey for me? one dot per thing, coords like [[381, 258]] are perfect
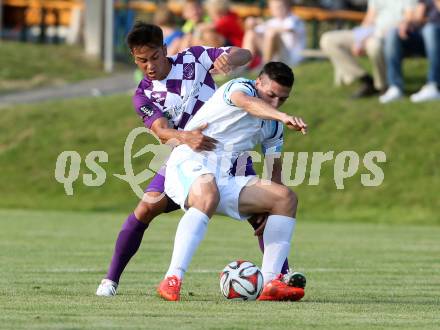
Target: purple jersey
[[183, 92]]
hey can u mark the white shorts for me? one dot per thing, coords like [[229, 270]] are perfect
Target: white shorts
[[184, 166]]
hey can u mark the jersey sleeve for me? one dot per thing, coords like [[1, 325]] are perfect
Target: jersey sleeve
[[273, 140], [145, 108], [243, 85], [207, 55]]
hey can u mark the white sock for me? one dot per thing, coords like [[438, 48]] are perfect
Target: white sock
[[189, 234], [277, 236]]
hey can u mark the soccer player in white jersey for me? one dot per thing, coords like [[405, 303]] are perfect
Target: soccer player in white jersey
[[240, 114]]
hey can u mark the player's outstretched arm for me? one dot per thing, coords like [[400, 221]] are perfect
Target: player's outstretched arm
[[261, 109], [194, 139], [228, 62]]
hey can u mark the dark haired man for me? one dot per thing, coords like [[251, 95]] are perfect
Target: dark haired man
[[172, 91], [240, 114]]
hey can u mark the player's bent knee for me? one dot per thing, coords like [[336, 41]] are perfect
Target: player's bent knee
[[207, 204], [293, 202], [204, 195], [145, 212], [287, 203]]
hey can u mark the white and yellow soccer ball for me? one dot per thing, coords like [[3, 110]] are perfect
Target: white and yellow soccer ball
[[241, 280]]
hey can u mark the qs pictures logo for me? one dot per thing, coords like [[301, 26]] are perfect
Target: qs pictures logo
[[346, 164], [68, 165]]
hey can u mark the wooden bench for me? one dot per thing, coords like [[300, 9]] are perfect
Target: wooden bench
[[245, 10], [45, 13], [314, 15], [23, 14]]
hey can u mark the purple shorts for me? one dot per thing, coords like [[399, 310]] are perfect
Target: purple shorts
[[157, 184]]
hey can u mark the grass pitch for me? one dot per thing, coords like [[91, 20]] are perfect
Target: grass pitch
[[360, 276], [26, 65], [380, 274]]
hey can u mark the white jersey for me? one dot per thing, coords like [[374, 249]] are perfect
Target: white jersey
[[235, 129], [236, 132]]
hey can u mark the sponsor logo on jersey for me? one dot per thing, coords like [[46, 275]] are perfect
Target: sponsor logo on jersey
[[146, 110]]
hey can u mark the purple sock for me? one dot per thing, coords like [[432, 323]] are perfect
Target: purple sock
[[127, 244], [285, 268]]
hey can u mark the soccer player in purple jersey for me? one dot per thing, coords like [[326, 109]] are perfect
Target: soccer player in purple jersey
[[172, 91]]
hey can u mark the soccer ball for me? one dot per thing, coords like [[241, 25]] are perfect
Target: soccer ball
[[241, 280]]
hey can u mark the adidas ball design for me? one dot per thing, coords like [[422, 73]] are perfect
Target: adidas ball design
[[241, 280]]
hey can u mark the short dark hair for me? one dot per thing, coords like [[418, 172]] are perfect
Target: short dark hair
[[279, 72], [144, 34]]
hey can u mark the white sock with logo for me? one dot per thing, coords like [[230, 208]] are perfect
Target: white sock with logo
[[277, 236], [190, 232]]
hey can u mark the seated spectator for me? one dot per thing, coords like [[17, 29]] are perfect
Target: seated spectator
[[193, 14], [172, 35], [344, 46], [281, 38], [412, 37], [225, 28]]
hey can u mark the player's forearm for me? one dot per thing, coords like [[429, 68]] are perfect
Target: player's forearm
[[239, 56], [166, 134], [258, 108], [170, 136], [194, 138]]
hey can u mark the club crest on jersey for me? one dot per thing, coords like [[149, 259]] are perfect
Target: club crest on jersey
[[146, 110], [188, 71], [159, 97]]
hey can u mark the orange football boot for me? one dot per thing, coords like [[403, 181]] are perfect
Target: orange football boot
[[276, 290], [169, 288]]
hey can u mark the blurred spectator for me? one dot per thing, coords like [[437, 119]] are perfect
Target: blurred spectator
[[226, 24], [172, 35], [412, 37], [282, 37], [223, 28], [345, 45], [192, 12]]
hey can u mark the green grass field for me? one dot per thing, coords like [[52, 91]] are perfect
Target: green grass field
[[371, 255], [360, 276], [26, 65]]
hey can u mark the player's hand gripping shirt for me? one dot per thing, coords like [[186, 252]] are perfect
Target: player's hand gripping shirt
[[183, 92]]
